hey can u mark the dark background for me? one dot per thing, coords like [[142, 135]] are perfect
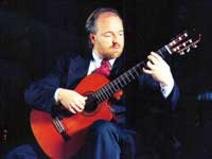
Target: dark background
[[33, 33]]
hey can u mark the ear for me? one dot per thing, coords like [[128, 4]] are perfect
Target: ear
[[92, 38]]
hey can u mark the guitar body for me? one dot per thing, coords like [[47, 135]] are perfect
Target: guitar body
[[76, 126]]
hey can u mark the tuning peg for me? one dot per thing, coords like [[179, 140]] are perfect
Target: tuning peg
[[178, 48], [194, 46], [188, 50], [186, 34], [180, 38], [182, 53], [173, 43]]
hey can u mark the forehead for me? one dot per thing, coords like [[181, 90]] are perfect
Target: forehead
[[109, 20]]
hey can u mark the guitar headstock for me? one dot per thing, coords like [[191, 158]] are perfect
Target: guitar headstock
[[183, 43]]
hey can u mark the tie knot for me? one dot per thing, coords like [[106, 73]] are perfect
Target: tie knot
[[104, 68], [106, 63]]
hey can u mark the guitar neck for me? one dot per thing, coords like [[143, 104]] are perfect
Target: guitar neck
[[127, 77]]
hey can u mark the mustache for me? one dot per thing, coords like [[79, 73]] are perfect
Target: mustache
[[116, 45]]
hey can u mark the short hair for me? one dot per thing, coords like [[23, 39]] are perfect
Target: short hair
[[90, 24]]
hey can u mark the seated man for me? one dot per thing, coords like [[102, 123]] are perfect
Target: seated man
[[55, 93]]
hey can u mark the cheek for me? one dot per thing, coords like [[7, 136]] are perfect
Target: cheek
[[122, 40], [106, 42]]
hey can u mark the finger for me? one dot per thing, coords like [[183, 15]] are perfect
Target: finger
[[65, 105], [83, 101], [80, 107], [147, 71], [80, 102], [152, 59], [157, 56], [77, 108], [71, 110], [85, 97], [81, 98], [150, 65]]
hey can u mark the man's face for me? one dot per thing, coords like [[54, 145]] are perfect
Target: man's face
[[108, 41]]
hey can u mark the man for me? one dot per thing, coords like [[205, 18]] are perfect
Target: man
[[105, 139]]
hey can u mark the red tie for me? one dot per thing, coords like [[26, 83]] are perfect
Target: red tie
[[104, 68]]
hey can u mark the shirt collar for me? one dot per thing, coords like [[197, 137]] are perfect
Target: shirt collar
[[99, 59]]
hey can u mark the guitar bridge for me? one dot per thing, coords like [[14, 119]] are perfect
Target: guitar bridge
[[60, 128]]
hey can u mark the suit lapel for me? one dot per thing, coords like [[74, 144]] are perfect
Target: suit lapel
[[78, 69], [117, 67]]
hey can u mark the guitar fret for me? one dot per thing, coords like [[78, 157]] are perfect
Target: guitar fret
[[96, 96], [107, 91], [116, 84], [134, 69], [127, 77], [101, 95], [99, 100], [119, 82], [123, 80], [131, 73], [162, 52], [113, 84], [110, 89], [104, 93]]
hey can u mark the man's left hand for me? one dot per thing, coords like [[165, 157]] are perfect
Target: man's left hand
[[157, 67]]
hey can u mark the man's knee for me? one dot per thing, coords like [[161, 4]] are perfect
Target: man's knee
[[22, 152], [104, 128]]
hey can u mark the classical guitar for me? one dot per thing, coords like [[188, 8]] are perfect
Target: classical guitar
[[62, 138]]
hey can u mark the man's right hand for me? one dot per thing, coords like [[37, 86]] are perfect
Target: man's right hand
[[71, 100]]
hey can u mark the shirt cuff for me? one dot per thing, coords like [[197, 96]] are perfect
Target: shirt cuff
[[167, 89], [56, 95]]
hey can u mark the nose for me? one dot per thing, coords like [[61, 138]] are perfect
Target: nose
[[115, 39]]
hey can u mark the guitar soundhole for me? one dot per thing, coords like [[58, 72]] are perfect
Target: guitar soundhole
[[91, 104]]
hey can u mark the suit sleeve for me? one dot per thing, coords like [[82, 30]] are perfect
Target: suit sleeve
[[173, 98], [150, 91], [40, 94]]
